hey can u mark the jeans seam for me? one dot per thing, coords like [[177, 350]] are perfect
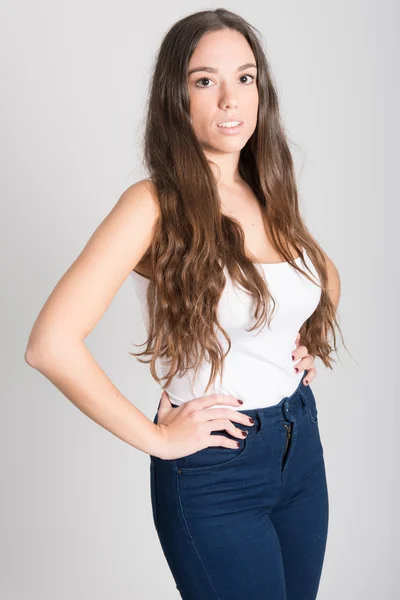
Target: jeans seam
[[154, 492], [190, 535]]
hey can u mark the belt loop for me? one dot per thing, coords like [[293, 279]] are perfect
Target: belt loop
[[303, 398]]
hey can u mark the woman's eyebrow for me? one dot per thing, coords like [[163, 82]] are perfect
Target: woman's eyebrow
[[212, 70]]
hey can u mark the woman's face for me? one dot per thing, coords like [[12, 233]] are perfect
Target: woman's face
[[219, 92]]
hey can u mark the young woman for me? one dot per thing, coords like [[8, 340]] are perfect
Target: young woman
[[229, 280]]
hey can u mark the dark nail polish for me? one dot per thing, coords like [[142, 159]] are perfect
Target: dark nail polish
[[292, 357], [306, 382], [244, 433], [238, 444], [251, 420], [240, 401], [296, 369]]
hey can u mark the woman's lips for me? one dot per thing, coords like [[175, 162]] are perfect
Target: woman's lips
[[230, 130]]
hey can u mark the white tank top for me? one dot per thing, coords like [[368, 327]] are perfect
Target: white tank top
[[258, 368]]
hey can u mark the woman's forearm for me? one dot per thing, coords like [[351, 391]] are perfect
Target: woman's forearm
[[73, 370]]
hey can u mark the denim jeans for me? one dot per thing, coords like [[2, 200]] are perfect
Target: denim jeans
[[252, 520]]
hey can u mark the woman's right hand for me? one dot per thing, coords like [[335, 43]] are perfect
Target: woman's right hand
[[186, 429]]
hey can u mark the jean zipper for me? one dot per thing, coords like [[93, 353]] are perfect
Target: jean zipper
[[288, 436]]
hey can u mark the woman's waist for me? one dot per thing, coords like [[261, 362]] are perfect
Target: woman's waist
[[257, 388]]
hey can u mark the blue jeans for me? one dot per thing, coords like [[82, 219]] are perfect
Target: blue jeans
[[251, 521]]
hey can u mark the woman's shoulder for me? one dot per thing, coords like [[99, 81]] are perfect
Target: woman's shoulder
[[141, 193]]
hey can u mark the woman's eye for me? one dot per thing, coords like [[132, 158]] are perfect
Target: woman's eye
[[208, 79], [203, 79], [252, 77]]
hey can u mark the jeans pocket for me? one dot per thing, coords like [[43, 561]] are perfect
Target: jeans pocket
[[212, 458]]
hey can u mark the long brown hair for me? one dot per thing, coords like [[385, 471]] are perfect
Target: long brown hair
[[193, 240]]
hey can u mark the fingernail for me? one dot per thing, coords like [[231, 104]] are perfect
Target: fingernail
[[292, 357], [296, 369], [240, 401], [306, 382]]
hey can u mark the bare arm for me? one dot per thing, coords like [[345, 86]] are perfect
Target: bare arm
[[56, 345], [334, 286]]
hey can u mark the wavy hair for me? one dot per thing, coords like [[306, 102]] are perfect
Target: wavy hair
[[193, 240]]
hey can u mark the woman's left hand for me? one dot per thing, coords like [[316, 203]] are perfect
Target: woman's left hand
[[306, 361]]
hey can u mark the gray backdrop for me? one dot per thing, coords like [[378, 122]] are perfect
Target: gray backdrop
[[76, 514]]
